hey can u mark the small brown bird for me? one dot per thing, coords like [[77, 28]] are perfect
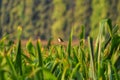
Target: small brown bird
[[60, 40]]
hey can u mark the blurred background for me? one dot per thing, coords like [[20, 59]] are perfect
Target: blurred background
[[56, 18]]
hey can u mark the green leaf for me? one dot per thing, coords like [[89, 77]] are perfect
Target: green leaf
[[69, 44], [55, 65], [19, 32], [27, 58], [40, 73], [49, 43], [64, 73], [48, 75], [115, 44], [30, 48], [92, 64], [82, 34], [18, 61], [109, 71], [75, 69], [12, 68], [110, 26]]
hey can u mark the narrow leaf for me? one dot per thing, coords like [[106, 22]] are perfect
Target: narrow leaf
[[12, 68], [18, 63], [40, 73]]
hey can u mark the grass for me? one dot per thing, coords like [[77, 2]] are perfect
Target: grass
[[91, 59]]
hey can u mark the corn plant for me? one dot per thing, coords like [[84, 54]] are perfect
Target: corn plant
[[91, 59]]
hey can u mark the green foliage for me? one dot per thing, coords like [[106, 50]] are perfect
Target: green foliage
[[118, 10], [59, 9], [46, 18], [70, 44], [95, 59], [40, 72], [80, 16], [58, 27]]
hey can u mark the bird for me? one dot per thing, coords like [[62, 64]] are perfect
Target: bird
[[60, 39]]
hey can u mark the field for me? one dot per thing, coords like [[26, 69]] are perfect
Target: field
[[87, 59]]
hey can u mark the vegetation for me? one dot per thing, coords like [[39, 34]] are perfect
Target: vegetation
[[45, 18], [91, 59]]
